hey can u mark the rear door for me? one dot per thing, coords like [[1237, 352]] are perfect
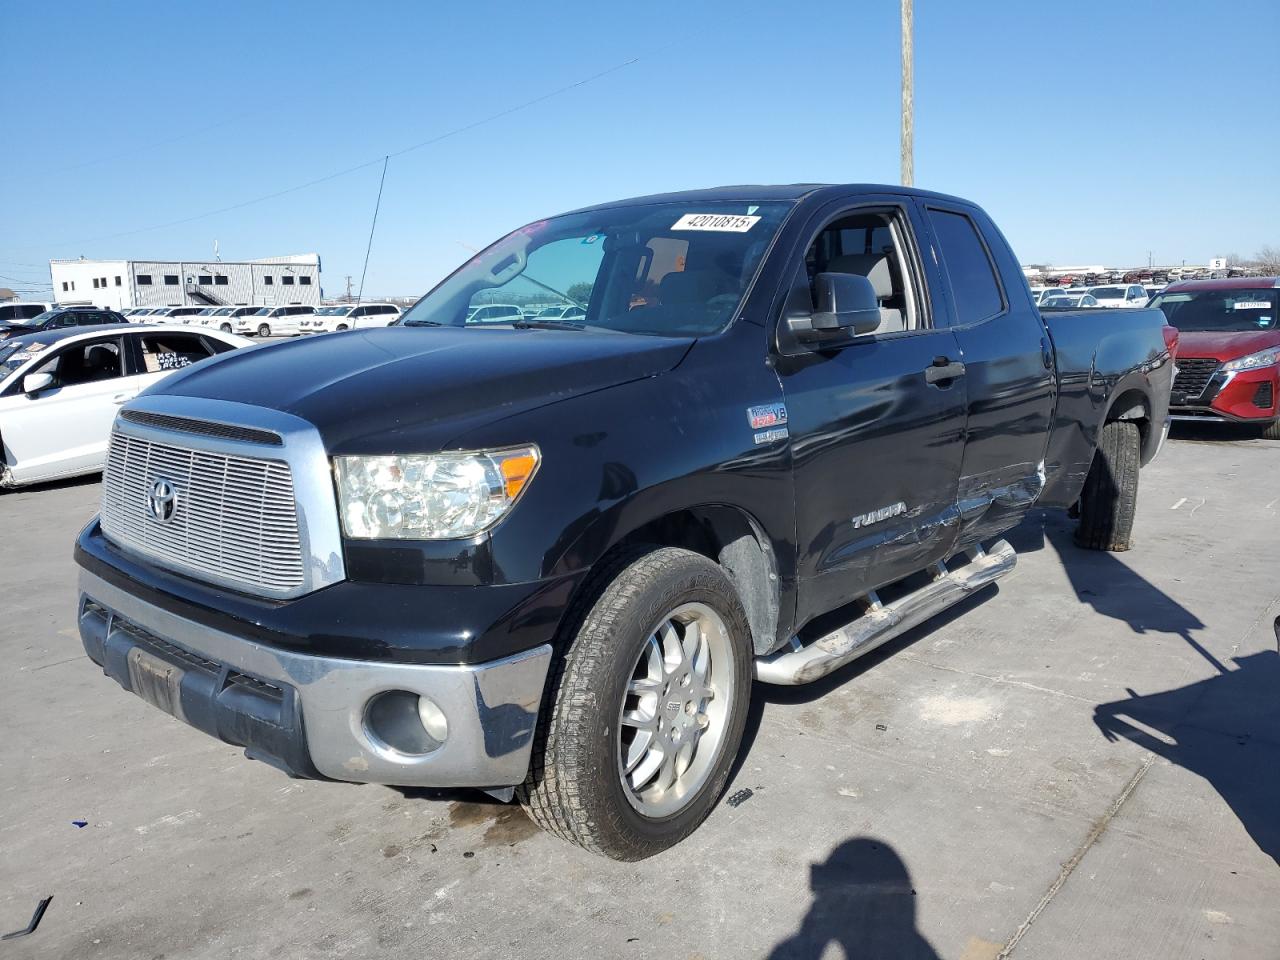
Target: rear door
[[1008, 362], [876, 438]]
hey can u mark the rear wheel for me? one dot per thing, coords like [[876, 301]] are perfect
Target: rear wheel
[[1272, 431], [342, 326], [1110, 496], [646, 711], [225, 327], [264, 330]]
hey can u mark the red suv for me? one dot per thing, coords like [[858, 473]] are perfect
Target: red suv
[[1228, 350]]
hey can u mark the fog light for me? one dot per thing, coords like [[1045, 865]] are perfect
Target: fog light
[[405, 722], [433, 720]]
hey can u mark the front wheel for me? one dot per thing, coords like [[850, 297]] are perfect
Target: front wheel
[[342, 326], [646, 709], [264, 330], [1272, 430], [225, 328], [1110, 496]]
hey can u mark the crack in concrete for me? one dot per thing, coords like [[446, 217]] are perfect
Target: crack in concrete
[[1099, 828]]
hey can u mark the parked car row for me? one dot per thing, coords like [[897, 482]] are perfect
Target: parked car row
[[1113, 295]]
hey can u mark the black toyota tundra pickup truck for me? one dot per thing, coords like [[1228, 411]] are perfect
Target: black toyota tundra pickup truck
[[545, 549]]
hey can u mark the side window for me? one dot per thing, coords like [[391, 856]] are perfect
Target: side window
[[162, 352], [85, 363], [867, 244], [974, 286]]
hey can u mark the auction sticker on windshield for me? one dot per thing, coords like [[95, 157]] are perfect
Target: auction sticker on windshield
[[722, 223], [1251, 305]]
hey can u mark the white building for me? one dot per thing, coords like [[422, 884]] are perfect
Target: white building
[[116, 284]]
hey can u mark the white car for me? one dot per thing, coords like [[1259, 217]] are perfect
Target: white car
[[171, 314], [1070, 301], [494, 313], [1120, 295], [60, 390], [563, 312], [22, 309], [349, 316], [273, 321], [224, 318]]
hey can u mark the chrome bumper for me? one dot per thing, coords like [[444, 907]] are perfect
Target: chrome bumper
[[491, 708]]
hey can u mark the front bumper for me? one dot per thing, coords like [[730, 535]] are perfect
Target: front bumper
[[1246, 396], [306, 713]]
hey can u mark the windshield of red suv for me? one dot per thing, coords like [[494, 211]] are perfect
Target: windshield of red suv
[[660, 269], [1223, 311]]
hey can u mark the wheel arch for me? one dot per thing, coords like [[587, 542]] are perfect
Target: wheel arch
[[728, 535]]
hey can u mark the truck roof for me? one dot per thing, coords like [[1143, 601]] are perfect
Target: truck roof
[[1225, 283], [790, 191]]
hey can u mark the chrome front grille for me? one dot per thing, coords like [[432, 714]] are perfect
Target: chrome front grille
[[234, 521]]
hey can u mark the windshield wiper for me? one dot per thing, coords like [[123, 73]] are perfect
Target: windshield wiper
[[535, 324]]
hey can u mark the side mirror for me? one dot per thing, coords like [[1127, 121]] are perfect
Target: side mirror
[[33, 383], [846, 303]]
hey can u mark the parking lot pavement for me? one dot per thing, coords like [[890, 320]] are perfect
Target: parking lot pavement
[[1082, 762]]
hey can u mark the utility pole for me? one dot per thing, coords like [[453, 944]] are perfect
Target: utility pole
[[348, 286], [908, 95]]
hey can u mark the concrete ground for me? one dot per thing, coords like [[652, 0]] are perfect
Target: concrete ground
[[1082, 762]]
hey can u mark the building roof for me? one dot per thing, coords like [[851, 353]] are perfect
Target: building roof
[[296, 259]]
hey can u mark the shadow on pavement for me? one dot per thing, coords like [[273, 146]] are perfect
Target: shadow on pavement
[[1214, 432], [863, 901], [1101, 580], [1225, 729]]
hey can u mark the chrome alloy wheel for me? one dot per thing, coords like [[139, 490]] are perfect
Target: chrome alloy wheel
[[675, 710]]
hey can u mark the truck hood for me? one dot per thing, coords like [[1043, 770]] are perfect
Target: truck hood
[[1227, 345], [399, 389]]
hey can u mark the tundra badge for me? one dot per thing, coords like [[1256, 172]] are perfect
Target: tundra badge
[[875, 516]]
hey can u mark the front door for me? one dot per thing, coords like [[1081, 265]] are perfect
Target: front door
[[1008, 360], [876, 437], [64, 430]]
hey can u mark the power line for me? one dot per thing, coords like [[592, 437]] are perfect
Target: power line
[[373, 226], [361, 166]]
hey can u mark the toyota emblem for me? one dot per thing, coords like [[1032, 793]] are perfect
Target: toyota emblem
[[162, 501]]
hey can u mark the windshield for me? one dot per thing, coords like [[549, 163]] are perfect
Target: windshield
[[1108, 293], [332, 311], [1225, 311], [1061, 301], [663, 269], [35, 321], [263, 312], [14, 353]]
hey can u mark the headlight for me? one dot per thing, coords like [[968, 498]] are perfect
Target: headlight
[[1253, 361], [440, 496]]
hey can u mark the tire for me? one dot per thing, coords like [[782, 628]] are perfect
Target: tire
[[1272, 431], [264, 330], [575, 787], [225, 328], [342, 326], [1110, 496]]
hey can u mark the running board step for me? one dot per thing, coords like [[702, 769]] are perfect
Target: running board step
[[796, 664]]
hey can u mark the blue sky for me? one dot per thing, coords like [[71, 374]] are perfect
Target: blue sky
[[1092, 131]]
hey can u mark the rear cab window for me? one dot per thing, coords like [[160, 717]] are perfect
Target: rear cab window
[[975, 286]]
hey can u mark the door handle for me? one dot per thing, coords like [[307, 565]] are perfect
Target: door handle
[[943, 368]]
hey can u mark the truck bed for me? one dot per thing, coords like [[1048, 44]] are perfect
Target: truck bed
[[1102, 353]]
